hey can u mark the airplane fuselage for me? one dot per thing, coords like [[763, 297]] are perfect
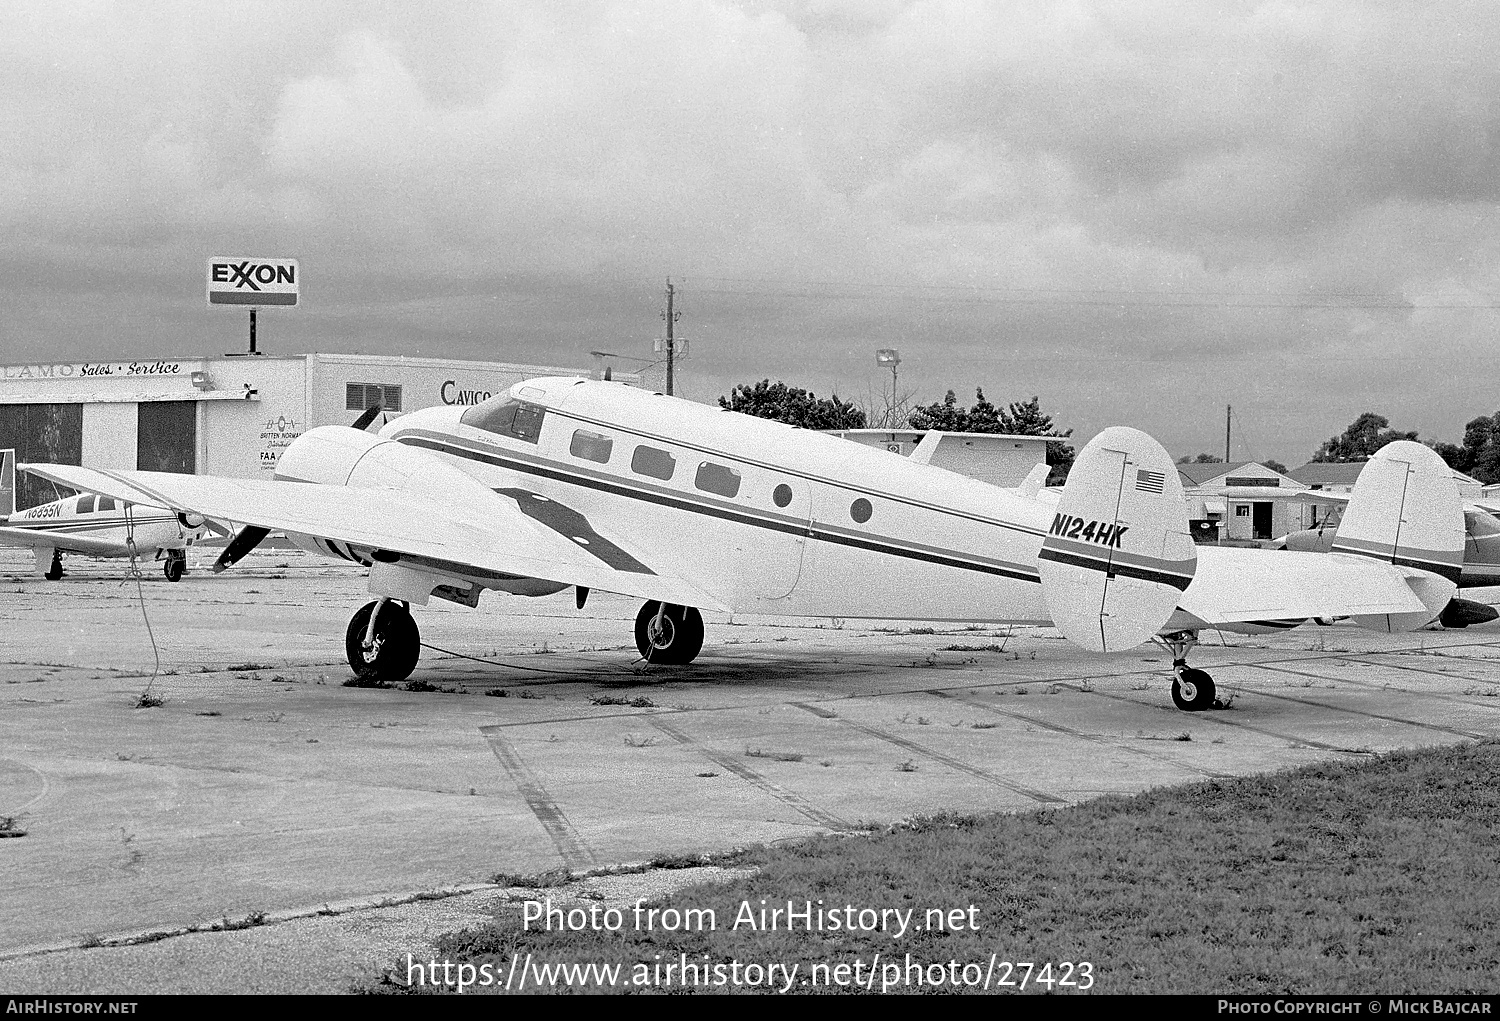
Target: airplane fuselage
[[764, 517]]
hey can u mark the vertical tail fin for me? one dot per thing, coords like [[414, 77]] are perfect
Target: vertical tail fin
[[7, 483], [1118, 554], [1406, 510]]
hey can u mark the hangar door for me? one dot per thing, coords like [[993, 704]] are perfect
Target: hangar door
[[167, 436], [42, 433]]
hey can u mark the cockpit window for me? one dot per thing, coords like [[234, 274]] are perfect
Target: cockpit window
[[86, 504], [106, 503], [507, 416]]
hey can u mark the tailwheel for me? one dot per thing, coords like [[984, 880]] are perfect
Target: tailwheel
[[387, 651], [668, 634], [1192, 690], [176, 565], [55, 571]]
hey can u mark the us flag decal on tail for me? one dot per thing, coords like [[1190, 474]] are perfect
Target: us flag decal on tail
[[1150, 482]]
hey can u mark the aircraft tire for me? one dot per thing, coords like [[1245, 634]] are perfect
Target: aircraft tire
[[175, 567], [54, 572], [680, 641], [1193, 690], [398, 643]]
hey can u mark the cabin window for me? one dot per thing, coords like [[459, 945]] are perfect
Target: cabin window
[[860, 510], [591, 446], [658, 464], [781, 495], [85, 505], [507, 417], [717, 478], [106, 503]]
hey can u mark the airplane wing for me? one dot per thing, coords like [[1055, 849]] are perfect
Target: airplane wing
[[512, 534], [1235, 585], [67, 542]]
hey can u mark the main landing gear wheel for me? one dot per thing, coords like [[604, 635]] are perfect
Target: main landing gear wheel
[[55, 571], [392, 654], [1192, 690], [674, 637], [176, 565]]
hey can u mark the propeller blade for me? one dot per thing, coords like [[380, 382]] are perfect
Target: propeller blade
[[249, 538], [363, 421]]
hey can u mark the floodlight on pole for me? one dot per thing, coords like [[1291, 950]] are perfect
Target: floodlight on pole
[[889, 357]]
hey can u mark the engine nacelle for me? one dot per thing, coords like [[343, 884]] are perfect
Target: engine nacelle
[[336, 455]]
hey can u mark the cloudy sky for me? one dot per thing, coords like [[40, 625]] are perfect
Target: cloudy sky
[[1139, 211]]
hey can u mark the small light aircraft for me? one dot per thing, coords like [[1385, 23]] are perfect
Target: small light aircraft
[[566, 482], [96, 525]]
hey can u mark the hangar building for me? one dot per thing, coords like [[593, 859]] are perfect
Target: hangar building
[[230, 415]]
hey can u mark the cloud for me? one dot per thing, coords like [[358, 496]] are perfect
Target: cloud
[[1093, 200]]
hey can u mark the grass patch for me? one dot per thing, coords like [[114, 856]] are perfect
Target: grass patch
[[148, 701], [367, 679], [639, 702], [10, 827], [761, 753], [1335, 878], [249, 666]]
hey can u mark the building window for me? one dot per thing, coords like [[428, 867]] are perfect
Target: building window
[[166, 436], [363, 396], [717, 478], [591, 446], [657, 464], [1242, 510]]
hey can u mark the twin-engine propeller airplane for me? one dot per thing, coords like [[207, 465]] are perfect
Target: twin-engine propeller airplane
[[594, 485], [96, 525]]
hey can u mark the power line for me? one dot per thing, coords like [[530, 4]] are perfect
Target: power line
[[1126, 298]]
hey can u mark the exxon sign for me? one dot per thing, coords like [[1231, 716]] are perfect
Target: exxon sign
[[254, 282]]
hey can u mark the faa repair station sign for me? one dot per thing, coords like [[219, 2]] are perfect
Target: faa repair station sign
[[253, 282]]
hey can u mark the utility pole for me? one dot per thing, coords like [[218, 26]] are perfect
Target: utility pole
[[1227, 409], [671, 317]]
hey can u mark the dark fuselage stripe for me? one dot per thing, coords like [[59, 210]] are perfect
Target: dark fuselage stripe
[[1177, 581], [809, 531]]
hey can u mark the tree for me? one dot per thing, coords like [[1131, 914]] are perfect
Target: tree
[[1200, 459], [1365, 435], [1024, 418], [1274, 465], [1479, 454], [792, 405]]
